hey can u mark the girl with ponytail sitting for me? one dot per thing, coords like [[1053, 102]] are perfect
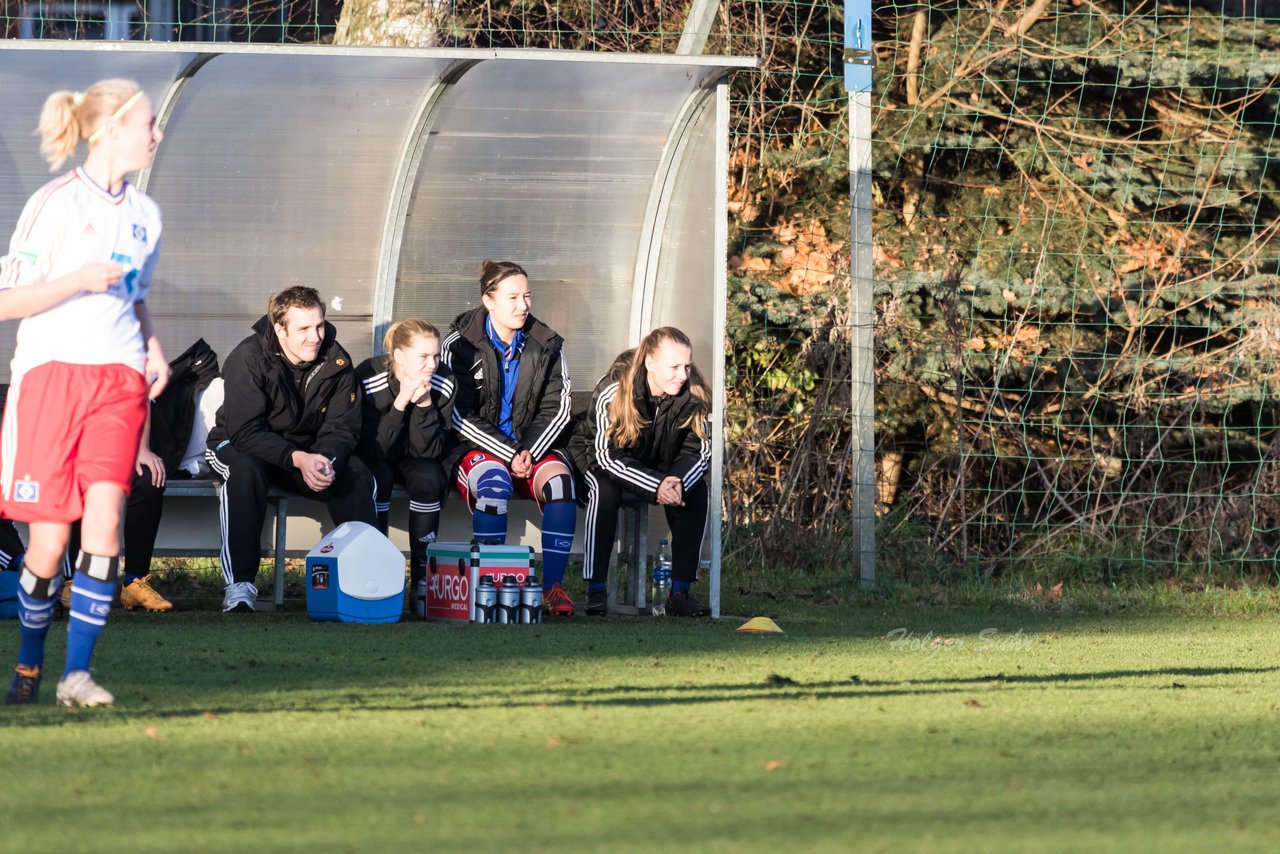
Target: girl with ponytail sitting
[[647, 434]]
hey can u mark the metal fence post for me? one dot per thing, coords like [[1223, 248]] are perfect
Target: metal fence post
[[858, 64]]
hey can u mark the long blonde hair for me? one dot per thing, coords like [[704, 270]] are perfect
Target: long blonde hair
[[68, 117], [625, 421]]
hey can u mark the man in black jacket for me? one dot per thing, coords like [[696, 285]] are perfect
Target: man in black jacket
[[290, 418]]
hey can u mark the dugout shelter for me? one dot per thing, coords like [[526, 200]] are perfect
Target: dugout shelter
[[384, 176]]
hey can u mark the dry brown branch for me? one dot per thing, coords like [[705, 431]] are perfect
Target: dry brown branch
[[919, 25], [1029, 18]]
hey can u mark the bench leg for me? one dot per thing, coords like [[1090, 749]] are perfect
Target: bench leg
[[611, 589], [282, 516], [635, 531]]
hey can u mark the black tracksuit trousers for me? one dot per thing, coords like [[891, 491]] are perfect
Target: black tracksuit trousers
[[426, 483], [604, 497], [244, 503]]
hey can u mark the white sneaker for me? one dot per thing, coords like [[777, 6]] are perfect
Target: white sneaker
[[77, 689], [240, 597]]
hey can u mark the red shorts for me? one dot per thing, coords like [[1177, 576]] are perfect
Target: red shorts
[[67, 427], [474, 458]]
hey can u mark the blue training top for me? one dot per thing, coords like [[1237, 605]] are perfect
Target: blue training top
[[509, 362]]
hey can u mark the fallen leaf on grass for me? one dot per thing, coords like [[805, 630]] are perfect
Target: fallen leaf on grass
[[210, 715], [152, 732], [779, 679], [1178, 685], [774, 765], [554, 742], [973, 704]]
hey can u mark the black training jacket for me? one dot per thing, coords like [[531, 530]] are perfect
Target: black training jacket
[[422, 432], [666, 446], [174, 411], [265, 415], [540, 408]]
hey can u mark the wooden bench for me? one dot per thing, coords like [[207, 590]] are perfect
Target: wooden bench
[[633, 530]]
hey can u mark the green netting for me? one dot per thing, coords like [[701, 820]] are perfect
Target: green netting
[[1076, 293]]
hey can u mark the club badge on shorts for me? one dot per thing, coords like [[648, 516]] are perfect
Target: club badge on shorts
[[27, 490]]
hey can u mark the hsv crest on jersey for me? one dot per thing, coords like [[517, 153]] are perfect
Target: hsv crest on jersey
[[140, 232], [27, 490]]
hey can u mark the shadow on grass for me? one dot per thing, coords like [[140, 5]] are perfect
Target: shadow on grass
[[187, 665], [425, 699], [1083, 677]]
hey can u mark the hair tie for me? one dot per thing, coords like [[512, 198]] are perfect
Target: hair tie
[[77, 98]]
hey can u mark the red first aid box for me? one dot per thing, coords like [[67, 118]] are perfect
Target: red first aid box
[[454, 569]]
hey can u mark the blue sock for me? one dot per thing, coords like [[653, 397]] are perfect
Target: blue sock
[[492, 488], [489, 527], [90, 604], [559, 518], [35, 615], [597, 586], [129, 578], [678, 586]]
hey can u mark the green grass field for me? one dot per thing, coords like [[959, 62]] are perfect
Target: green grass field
[[866, 727]]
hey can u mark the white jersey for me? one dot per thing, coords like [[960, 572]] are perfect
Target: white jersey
[[69, 223]]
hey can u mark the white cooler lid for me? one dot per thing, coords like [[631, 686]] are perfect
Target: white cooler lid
[[369, 566]]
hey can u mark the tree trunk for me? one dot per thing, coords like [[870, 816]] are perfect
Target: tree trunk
[[10, 10], [391, 23]]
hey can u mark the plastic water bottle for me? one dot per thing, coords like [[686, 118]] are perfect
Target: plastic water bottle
[[508, 610], [486, 600], [420, 598], [661, 579], [531, 601]]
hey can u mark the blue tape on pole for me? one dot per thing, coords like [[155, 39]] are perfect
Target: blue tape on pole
[[857, 45]]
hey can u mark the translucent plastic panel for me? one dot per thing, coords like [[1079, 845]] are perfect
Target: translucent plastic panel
[[689, 258], [27, 77], [548, 164], [276, 170]]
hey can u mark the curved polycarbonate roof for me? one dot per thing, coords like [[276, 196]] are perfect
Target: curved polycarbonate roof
[[383, 177]]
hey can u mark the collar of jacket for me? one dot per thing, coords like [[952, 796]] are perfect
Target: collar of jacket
[[331, 354], [470, 325]]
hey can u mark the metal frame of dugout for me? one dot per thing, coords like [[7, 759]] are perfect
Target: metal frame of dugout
[[384, 176]]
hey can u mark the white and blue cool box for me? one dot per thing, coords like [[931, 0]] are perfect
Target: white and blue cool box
[[355, 575]]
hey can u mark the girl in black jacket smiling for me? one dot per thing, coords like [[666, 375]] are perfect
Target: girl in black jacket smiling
[[408, 406], [646, 433], [511, 408]]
